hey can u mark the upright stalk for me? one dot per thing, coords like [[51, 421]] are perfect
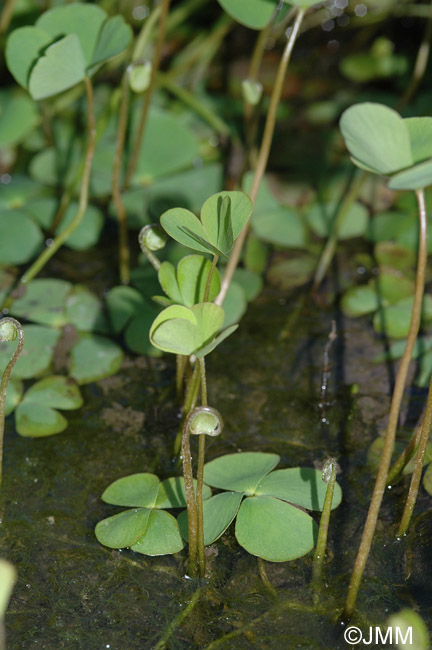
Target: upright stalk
[[381, 479], [329, 477], [6, 15], [418, 466], [124, 255], [165, 5], [47, 254], [10, 329], [200, 474], [263, 153]]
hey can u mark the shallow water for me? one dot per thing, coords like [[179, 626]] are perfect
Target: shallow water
[[74, 593]]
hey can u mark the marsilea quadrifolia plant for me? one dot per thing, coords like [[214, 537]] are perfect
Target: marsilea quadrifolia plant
[[264, 503], [382, 142]]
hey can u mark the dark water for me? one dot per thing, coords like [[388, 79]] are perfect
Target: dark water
[[73, 593]]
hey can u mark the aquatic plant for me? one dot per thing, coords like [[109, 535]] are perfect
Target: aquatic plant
[[10, 330], [380, 141]]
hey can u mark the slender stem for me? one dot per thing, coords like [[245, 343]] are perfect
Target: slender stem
[[405, 457], [381, 479], [47, 254], [145, 34], [124, 255], [418, 466], [320, 551], [191, 397], [209, 278], [16, 325], [330, 247], [266, 581], [191, 502], [194, 102], [264, 152], [200, 474], [181, 361], [149, 93], [178, 620], [6, 15]]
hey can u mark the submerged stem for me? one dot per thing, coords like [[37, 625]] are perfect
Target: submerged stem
[[124, 255], [263, 153], [381, 479], [47, 254], [318, 561], [165, 5], [10, 329], [418, 466]]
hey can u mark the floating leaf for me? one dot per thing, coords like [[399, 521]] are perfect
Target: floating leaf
[[57, 391], [123, 529], [35, 420], [394, 321], [37, 353], [61, 67], [138, 331], [85, 311], [274, 530], [358, 301], [93, 358], [302, 486], [20, 237], [171, 493], [162, 535], [218, 514], [44, 301], [409, 630], [136, 490], [18, 117], [123, 303], [239, 472]]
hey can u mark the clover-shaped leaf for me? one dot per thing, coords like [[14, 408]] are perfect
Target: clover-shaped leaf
[[268, 523], [186, 285], [36, 415], [187, 330], [380, 141], [64, 46], [223, 216], [37, 353], [146, 528]]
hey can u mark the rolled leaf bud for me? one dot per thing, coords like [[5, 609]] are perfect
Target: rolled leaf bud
[[8, 330], [152, 238], [328, 469], [252, 91], [205, 419], [139, 76]]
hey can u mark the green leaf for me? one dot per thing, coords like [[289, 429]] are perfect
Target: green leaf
[[282, 227], [85, 311], [420, 132], [123, 303], [162, 535], [171, 493], [321, 217], [19, 191], [301, 486], [8, 578], [419, 177], [83, 20], [37, 354], [55, 391], [274, 530], [234, 304], [38, 421], [44, 301], [114, 37], [136, 491], [187, 286], [123, 529], [20, 237], [394, 321], [240, 472], [224, 216], [18, 117], [14, 394], [183, 226], [358, 301], [23, 48], [93, 358], [377, 137], [168, 146], [409, 630], [254, 14], [219, 339], [138, 331], [61, 67], [218, 513], [184, 330], [427, 480]]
